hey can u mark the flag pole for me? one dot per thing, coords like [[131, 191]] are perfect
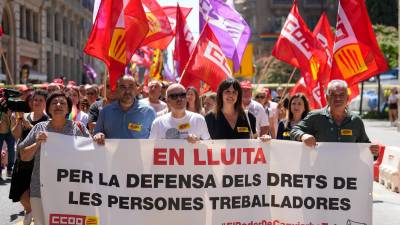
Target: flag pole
[[192, 53], [266, 69], [7, 68], [105, 75], [287, 85]]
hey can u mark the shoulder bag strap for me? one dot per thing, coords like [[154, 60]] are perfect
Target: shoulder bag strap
[[246, 112]]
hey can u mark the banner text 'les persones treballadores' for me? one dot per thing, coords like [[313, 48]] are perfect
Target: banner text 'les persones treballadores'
[[226, 182]]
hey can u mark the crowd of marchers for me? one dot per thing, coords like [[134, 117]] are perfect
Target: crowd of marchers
[[162, 110]]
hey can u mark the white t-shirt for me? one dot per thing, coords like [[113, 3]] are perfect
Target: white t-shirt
[[156, 106], [162, 112], [273, 114], [82, 117], [168, 127], [273, 109], [258, 111], [393, 99]]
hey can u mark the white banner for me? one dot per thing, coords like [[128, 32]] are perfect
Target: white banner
[[225, 182]]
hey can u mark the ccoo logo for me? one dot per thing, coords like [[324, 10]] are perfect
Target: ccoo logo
[[65, 219]]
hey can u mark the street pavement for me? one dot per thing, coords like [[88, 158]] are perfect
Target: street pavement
[[386, 204]]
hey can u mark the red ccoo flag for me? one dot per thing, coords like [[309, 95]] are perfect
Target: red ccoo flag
[[1, 31], [119, 29], [208, 62], [313, 95], [324, 36], [297, 46], [356, 54], [184, 46]]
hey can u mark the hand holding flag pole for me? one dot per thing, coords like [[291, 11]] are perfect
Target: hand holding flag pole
[[287, 85]]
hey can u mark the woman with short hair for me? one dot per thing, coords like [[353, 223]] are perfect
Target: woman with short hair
[[58, 107]]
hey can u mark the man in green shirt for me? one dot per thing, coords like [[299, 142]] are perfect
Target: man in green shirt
[[333, 123]]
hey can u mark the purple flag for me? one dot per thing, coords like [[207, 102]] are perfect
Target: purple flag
[[229, 27], [168, 74], [90, 72]]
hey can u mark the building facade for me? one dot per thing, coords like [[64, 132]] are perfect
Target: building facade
[[44, 39], [266, 18]]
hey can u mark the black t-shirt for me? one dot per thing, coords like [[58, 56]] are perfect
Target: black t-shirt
[[25, 132], [283, 130], [219, 127], [28, 117], [94, 111]]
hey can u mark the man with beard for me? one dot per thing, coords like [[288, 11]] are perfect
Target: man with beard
[[334, 123], [126, 118]]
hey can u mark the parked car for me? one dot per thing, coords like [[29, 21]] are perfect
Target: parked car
[[369, 103]]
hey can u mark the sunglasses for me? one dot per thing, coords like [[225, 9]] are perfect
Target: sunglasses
[[177, 95], [260, 96]]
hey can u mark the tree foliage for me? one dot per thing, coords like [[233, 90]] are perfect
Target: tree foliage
[[275, 71], [388, 39]]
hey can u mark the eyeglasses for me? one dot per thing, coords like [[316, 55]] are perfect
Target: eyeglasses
[[177, 95], [260, 96], [90, 93]]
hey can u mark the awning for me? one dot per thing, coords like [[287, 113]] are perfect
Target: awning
[[34, 75], [3, 76]]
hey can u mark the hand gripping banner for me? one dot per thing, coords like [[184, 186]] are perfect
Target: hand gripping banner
[[224, 182]]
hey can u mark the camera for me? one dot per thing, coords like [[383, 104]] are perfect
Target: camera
[[12, 104]]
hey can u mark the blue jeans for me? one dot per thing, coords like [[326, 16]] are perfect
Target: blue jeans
[[10, 141]]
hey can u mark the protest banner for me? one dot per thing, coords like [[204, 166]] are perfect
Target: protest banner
[[224, 182]]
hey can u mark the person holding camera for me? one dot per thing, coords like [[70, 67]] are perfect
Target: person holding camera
[[6, 136], [21, 125], [8, 105]]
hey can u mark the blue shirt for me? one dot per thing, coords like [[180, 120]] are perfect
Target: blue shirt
[[132, 124]]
